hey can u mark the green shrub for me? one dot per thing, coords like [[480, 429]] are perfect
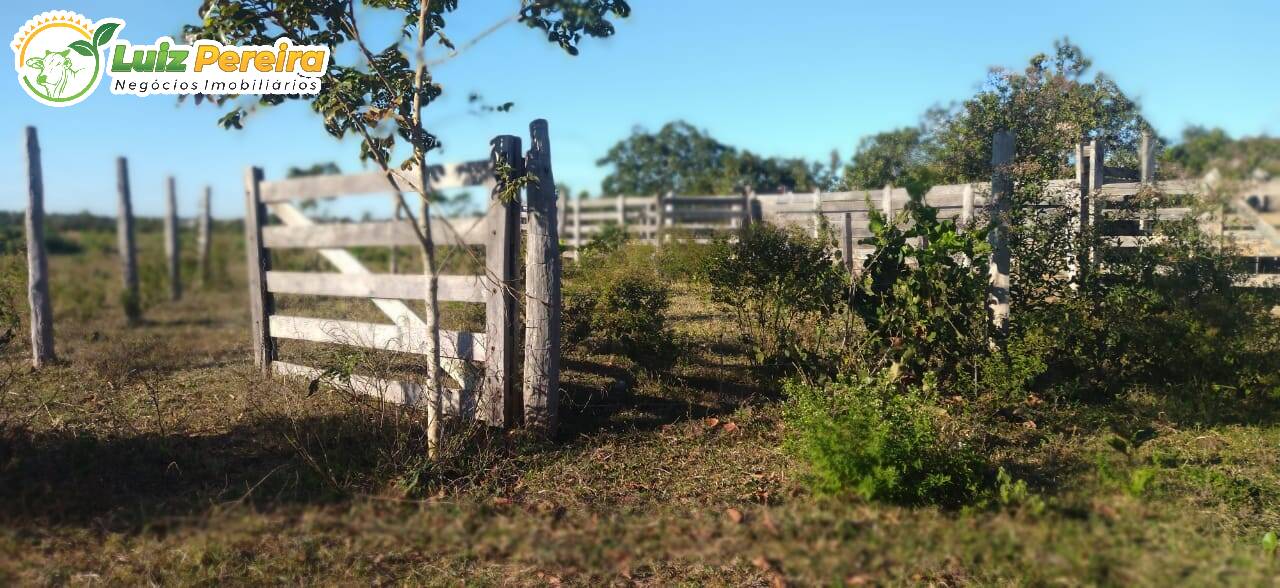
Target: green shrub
[[1165, 317], [684, 262], [615, 303], [779, 283], [863, 435], [921, 291], [611, 237]]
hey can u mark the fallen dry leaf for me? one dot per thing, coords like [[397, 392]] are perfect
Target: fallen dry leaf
[[711, 422], [767, 521], [770, 569], [734, 515], [729, 427]]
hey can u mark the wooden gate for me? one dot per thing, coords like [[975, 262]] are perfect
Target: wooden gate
[[495, 398]]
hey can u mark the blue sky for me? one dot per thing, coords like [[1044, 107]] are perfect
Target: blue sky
[[795, 81]]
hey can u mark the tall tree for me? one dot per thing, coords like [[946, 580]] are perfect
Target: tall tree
[[683, 159], [1202, 149], [1050, 106], [379, 96], [899, 157]]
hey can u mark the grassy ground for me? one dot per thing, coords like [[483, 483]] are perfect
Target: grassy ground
[[156, 454]]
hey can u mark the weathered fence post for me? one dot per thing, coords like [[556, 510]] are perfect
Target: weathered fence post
[[577, 227], [542, 289], [622, 212], [847, 242], [37, 263], [886, 202], [747, 196], [1001, 194], [1146, 175], [393, 261], [500, 405], [817, 213], [1089, 176], [131, 299], [562, 212], [204, 236], [664, 215], [966, 204], [1146, 159], [261, 302], [171, 251]]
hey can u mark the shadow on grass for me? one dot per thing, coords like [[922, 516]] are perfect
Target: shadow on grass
[[129, 482], [612, 403]]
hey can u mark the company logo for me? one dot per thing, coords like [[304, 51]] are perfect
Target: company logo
[[61, 56]]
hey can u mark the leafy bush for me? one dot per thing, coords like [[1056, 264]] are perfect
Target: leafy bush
[[615, 303], [862, 434], [1166, 316], [777, 282], [685, 261], [611, 237], [921, 291]]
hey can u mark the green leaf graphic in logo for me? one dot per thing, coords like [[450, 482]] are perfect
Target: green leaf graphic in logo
[[83, 48], [104, 33]]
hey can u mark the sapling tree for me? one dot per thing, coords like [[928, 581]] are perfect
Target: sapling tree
[[379, 94]]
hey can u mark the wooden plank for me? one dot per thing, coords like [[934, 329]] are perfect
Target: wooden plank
[[1172, 213], [125, 245], [1259, 281], [458, 345], [542, 289], [443, 177], [681, 215], [172, 253], [717, 200], [1265, 230], [1170, 187], [455, 402], [396, 286], [37, 262], [499, 404], [445, 232], [258, 262], [598, 217]]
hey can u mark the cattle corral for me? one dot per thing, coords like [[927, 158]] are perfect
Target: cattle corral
[[635, 450]]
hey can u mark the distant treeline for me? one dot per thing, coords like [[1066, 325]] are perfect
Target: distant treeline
[[57, 225]]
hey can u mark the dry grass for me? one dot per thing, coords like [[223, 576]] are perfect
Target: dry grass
[[157, 455]]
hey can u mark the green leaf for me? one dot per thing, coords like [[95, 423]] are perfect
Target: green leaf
[[1270, 542], [83, 47], [103, 34]]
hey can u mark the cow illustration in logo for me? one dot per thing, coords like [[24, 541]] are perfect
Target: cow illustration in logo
[[56, 71], [59, 56]]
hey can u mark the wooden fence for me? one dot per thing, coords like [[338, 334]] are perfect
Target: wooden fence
[[491, 398], [1105, 195]]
